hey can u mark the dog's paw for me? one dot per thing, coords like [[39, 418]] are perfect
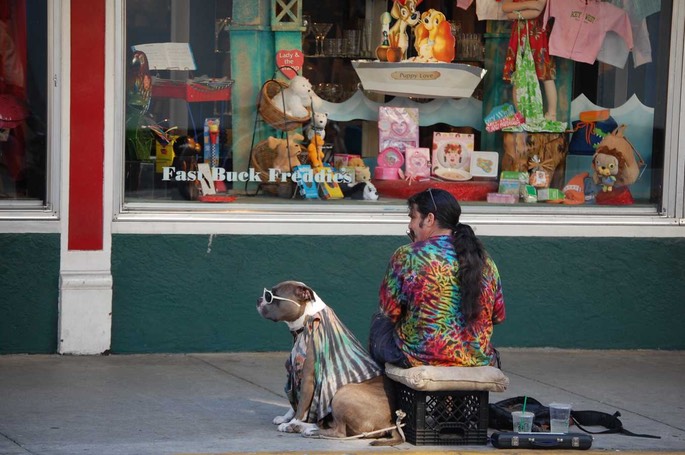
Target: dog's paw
[[284, 418], [289, 427], [310, 432]]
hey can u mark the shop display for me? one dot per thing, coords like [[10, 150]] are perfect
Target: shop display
[[422, 72]]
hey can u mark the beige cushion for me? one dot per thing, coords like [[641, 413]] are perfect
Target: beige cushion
[[431, 378]]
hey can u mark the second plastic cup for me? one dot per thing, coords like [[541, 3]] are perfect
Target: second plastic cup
[[559, 415], [522, 421]]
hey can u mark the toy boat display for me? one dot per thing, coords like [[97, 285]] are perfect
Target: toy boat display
[[427, 80]]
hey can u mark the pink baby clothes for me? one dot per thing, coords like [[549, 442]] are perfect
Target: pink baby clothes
[[464, 4], [490, 10], [580, 26], [614, 51]]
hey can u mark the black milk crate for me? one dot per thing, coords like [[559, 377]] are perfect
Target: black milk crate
[[454, 417]]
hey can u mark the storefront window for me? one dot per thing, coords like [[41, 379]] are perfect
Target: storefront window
[[23, 103], [560, 103]]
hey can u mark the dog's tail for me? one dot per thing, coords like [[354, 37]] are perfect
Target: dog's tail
[[394, 439]]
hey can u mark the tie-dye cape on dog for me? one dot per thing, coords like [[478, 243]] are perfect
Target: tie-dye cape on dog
[[339, 359]]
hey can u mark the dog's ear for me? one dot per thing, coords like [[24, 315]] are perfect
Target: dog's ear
[[395, 11], [304, 293]]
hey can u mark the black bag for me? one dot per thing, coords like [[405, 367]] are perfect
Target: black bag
[[511, 440], [500, 418]]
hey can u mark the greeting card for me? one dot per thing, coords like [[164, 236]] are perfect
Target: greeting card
[[417, 162]]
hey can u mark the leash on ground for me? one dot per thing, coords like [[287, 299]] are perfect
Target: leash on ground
[[398, 426]]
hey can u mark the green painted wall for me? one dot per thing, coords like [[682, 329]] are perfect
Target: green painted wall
[[29, 281], [191, 293]]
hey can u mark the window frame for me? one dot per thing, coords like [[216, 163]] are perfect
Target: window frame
[[305, 218], [29, 216]]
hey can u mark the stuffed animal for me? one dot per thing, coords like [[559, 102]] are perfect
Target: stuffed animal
[[433, 38], [295, 98], [629, 166], [287, 151], [315, 152], [362, 174], [608, 164], [317, 125], [360, 191]]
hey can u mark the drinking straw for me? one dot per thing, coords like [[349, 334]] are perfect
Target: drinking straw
[[523, 412]]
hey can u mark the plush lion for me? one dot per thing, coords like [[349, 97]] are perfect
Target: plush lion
[[629, 166], [608, 165]]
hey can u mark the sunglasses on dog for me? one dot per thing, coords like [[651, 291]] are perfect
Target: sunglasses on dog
[[269, 297]]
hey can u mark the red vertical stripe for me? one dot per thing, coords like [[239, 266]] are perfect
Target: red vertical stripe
[[87, 124]]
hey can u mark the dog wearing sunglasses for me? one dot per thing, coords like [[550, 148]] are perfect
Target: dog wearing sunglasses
[[334, 386]]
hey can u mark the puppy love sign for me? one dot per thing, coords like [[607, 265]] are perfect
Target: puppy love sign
[[290, 62]]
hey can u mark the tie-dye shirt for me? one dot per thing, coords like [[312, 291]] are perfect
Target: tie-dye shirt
[[420, 294]]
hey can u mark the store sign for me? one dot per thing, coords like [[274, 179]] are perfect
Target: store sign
[[290, 62], [218, 174], [415, 75]]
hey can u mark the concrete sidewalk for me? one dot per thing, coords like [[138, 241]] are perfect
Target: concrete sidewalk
[[220, 403]]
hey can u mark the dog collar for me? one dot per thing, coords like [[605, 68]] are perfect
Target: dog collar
[[313, 307]]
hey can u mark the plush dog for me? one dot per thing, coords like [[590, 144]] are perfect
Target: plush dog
[[360, 191], [295, 98], [433, 38], [334, 387], [405, 15], [317, 125], [287, 151]]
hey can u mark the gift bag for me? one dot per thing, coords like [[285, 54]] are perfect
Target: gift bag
[[589, 130]]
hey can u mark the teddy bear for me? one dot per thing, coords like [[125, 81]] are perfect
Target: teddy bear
[[317, 125], [607, 165], [295, 98], [287, 151]]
